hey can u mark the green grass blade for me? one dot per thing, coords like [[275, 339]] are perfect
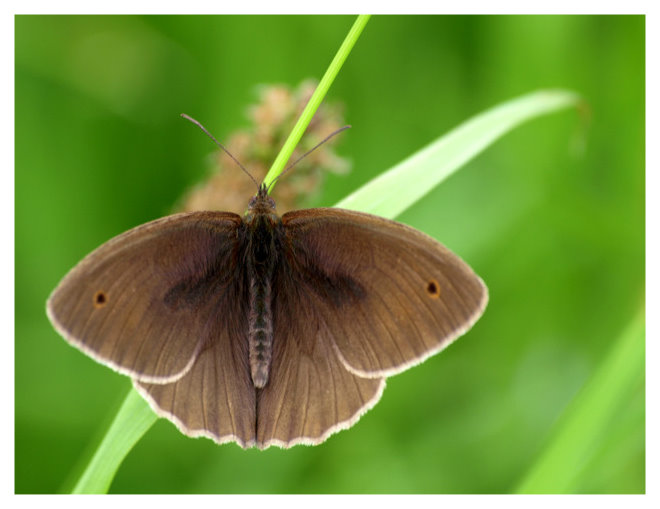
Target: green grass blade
[[315, 100], [393, 191], [584, 424], [131, 422]]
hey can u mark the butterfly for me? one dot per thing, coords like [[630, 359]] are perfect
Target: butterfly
[[266, 330]]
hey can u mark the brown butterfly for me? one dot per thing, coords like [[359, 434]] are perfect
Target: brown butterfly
[[266, 330]]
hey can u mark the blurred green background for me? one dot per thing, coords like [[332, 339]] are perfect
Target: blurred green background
[[551, 217]]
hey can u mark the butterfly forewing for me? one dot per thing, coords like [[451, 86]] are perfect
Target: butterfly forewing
[[389, 295], [145, 302]]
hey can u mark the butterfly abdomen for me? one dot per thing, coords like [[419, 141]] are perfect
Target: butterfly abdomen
[[262, 259], [260, 332]]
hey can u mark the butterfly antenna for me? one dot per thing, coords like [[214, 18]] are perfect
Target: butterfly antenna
[[198, 124], [332, 134]]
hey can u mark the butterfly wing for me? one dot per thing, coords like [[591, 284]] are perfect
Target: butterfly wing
[[145, 302], [391, 294], [358, 298], [163, 303], [216, 398]]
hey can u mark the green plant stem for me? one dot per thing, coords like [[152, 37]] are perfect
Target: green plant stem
[[584, 424], [315, 100], [131, 422]]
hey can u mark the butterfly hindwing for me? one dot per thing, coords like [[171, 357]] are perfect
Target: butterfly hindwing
[[216, 398], [309, 395]]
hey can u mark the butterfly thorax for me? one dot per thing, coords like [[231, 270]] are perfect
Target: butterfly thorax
[[263, 225]]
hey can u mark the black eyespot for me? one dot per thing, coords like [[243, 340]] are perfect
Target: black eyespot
[[433, 289], [100, 299]]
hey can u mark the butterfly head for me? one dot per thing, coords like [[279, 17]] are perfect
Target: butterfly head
[[261, 203]]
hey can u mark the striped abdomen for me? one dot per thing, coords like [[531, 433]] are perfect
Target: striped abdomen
[[260, 332]]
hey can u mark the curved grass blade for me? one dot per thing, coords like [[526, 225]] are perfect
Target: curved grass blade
[[395, 190], [131, 422]]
